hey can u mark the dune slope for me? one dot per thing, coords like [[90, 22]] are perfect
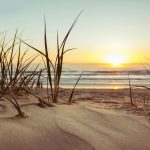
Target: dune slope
[[73, 127]]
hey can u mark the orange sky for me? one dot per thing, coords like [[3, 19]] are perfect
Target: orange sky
[[105, 28]]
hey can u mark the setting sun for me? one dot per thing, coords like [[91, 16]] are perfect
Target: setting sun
[[115, 60]]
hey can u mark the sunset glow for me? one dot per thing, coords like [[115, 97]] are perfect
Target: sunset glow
[[120, 28], [115, 60]]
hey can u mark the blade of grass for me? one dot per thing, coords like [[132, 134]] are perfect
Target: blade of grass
[[73, 90]]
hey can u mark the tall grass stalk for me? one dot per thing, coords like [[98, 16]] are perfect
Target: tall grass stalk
[[58, 64], [73, 90], [130, 91]]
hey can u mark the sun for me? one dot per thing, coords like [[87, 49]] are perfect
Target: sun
[[115, 60]]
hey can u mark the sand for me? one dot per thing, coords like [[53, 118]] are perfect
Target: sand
[[86, 125]]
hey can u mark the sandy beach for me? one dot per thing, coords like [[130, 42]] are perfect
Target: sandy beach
[[75, 75], [97, 120]]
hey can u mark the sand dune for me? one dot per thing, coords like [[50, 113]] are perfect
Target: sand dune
[[73, 127]]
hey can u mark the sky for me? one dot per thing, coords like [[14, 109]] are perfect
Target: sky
[[106, 30]]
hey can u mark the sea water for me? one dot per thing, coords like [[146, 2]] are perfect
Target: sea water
[[96, 77]]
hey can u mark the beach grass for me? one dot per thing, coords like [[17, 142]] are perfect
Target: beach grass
[[57, 66], [14, 65]]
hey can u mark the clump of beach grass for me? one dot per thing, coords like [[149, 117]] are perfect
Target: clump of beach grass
[[14, 79], [14, 65], [54, 70]]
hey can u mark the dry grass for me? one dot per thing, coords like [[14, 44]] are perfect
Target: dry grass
[[14, 79], [54, 70], [14, 65]]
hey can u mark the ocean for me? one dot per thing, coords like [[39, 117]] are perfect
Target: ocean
[[97, 77]]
